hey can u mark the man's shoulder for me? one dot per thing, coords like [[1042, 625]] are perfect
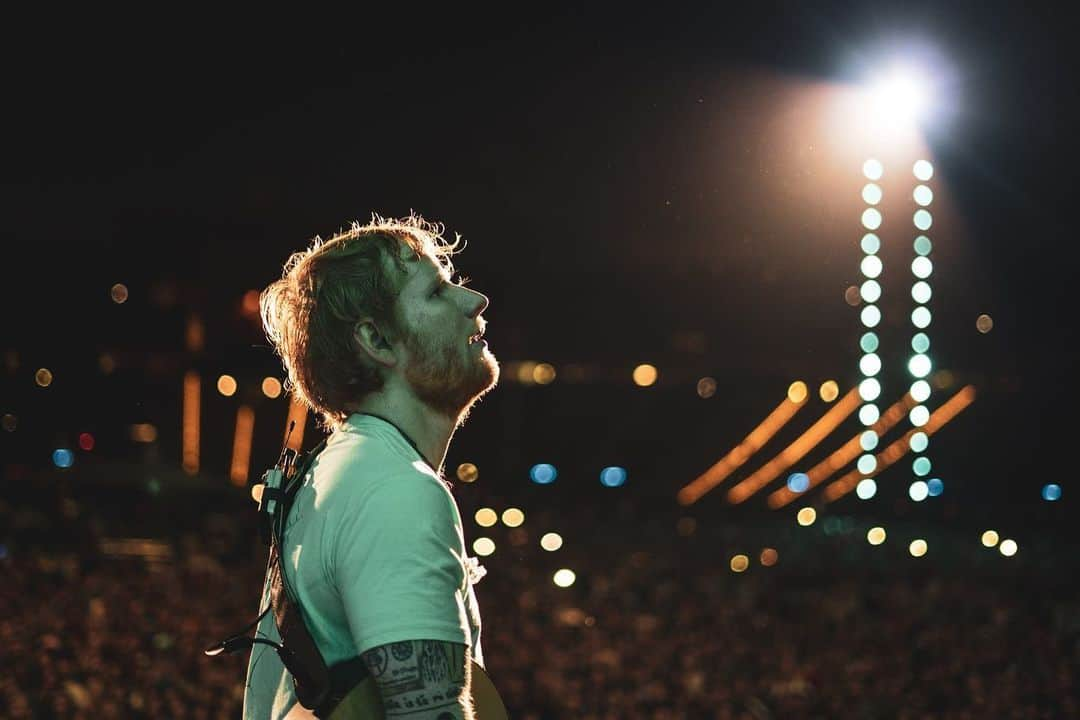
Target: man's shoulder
[[360, 466]]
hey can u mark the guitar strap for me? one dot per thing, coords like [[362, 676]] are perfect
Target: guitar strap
[[318, 688]]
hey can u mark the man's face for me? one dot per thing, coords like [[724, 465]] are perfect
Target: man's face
[[447, 371]]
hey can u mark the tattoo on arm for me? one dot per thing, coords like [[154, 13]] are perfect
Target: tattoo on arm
[[422, 677]]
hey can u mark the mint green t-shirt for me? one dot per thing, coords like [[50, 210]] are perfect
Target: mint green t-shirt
[[375, 553]]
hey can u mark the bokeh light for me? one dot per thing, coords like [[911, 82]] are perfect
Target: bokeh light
[[483, 546], [875, 535], [920, 342], [544, 374], [739, 563], [551, 541], [564, 577], [852, 296], [922, 267], [43, 377], [106, 363], [917, 548], [797, 391], [118, 293], [923, 219], [866, 464], [866, 488], [919, 365], [249, 304], [918, 441], [144, 433], [686, 526], [870, 364], [873, 169], [63, 458], [513, 517], [923, 195], [226, 385], [798, 482], [868, 440], [871, 194], [486, 517], [922, 245], [870, 316], [870, 291], [768, 556], [645, 375], [86, 441], [871, 219], [1051, 492], [543, 473], [923, 170], [921, 317], [920, 391], [869, 414], [919, 415], [935, 487], [9, 422], [918, 491], [870, 243], [869, 389], [990, 538], [1008, 547], [984, 323], [271, 387], [870, 266], [806, 516], [612, 476], [829, 390], [921, 466], [868, 342], [921, 292], [706, 387], [467, 472]]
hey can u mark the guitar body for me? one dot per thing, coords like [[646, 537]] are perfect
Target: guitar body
[[365, 703]]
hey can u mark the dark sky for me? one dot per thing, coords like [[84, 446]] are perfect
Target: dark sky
[[625, 178]]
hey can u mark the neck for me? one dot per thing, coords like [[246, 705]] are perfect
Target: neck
[[430, 430]]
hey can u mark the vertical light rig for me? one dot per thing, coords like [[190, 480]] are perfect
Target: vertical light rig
[[919, 364], [870, 316]]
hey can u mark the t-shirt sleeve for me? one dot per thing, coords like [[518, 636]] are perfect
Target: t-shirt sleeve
[[397, 563]]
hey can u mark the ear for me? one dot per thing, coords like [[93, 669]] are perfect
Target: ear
[[374, 343]]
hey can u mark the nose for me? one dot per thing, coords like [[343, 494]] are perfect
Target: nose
[[477, 302]]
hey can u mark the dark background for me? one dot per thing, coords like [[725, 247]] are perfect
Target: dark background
[[635, 186]]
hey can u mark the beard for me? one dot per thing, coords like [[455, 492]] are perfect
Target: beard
[[447, 380]]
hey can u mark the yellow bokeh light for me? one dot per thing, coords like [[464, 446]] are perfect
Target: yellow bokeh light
[[551, 541], [806, 516], [990, 538], [875, 536], [917, 548], [1008, 547], [645, 375], [118, 293], [740, 563], [564, 577], [512, 517], [797, 391], [43, 377], [143, 433], [768, 557], [226, 385], [271, 387], [486, 517], [525, 372], [250, 304], [467, 472], [543, 374], [829, 390], [483, 546], [984, 323], [706, 387]]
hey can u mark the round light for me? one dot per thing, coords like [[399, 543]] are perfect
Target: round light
[[866, 464], [645, 375], [870, 291], [512, 517], [1051, 492], [923, 170], [63, 458], [797, 391], [873, 169], [806, 516], [798, 482], [920, 317], [870, 266], [543, 474], [919, 415], [829, 390], [866, 488], [870, 243], [739, 563], [871, 219], [923, 246], [612, 476], [483, 546], [9, 422], [467, 472], [922, 267], [868, 414], [706, 388], [226, 385], [923, 219], [868, 342], [86, 441], [852, 296], [920, 391], [43, 377], [935, 487], [917, 548], [870, 364], [118, 293], [875, 535], [920, 292], [868, 440], [920, 342], [551, 541], [768, 557], [869, 389], [271, 387], [486, 517], [921, 467], [918, 441], [564, 577], [918, 491], [919, 365], [990, 538], [984, 323], [923, 195], [543, 374], [870, 316], [1008, 547], [871, 194]]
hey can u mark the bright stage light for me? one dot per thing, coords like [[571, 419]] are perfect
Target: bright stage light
[[898, 98]]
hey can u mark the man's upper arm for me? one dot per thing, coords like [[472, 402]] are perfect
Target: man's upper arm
[[421, 679]]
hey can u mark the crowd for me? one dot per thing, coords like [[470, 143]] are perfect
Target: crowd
[[657, 625]]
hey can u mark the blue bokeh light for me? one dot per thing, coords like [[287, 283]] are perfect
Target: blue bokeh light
[[1051, 492], [935, 487], [63, 458], [798, 482], [612, 476], [543, 474]]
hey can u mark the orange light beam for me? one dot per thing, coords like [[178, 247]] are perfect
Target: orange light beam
[[797, 449], [964, 397], [742, 452], [191, 412], [241, 459], [847, 452]]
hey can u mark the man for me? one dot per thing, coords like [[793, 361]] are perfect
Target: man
[[385, 347]]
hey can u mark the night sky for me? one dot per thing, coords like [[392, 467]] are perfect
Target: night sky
[[634, 186]]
